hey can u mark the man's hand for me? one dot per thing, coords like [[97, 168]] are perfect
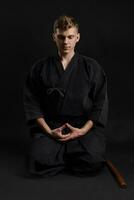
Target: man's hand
[[74, 133], [57, 133]]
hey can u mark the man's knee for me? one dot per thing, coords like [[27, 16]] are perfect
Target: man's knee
[[45, 149], [84, 164], [87, 170]]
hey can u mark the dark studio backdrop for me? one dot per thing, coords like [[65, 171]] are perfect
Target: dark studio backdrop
[[106, 35]]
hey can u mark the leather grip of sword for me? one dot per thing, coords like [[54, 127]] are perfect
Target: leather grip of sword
[[119, 177]]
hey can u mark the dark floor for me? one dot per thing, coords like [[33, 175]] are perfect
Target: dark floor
[[14, 185]]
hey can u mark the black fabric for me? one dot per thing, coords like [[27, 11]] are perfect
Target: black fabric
[[48, 157], [80, 90], [74, 95]]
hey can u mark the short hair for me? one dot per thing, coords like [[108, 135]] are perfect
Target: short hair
[[65, 22]]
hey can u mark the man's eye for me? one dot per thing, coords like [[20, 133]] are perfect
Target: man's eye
[[61, 37], [71, 37]]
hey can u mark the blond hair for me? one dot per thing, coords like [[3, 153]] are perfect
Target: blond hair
[[65, 22]]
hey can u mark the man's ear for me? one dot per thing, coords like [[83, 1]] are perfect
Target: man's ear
[[53, 36], [78, 37]]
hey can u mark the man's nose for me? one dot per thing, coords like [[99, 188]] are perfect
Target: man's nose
[[65, 40]]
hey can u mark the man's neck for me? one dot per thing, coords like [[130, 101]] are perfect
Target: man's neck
[[66, 57]]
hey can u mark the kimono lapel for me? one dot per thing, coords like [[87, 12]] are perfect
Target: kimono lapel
[[65, 78], [65, 75], [59, 82]]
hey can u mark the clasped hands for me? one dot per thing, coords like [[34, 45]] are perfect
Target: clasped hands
[[72, 134]]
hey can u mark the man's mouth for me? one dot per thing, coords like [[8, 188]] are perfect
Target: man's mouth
[[66, 47]]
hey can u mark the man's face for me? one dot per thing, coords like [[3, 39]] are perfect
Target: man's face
[[66, 40]]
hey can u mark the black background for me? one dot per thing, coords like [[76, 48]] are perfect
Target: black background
[[26, 35], [107, 35]]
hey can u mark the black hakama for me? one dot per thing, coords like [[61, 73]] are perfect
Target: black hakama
[[73, 96]]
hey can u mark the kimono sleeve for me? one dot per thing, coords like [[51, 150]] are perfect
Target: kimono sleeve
[[99, 112], [31, 96]]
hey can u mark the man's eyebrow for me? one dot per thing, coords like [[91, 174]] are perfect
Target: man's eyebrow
[[65, 36]]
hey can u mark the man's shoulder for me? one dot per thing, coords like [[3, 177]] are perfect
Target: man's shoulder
[[86, 58], [90, 62], [42, 61], [92, 66], [40, 64]]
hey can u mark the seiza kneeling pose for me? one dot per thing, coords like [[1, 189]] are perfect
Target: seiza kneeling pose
[[66, 108]]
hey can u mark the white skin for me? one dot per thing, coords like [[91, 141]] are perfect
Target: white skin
[[66, 42]]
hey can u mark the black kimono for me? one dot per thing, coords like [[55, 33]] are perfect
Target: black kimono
[[74, 96]]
